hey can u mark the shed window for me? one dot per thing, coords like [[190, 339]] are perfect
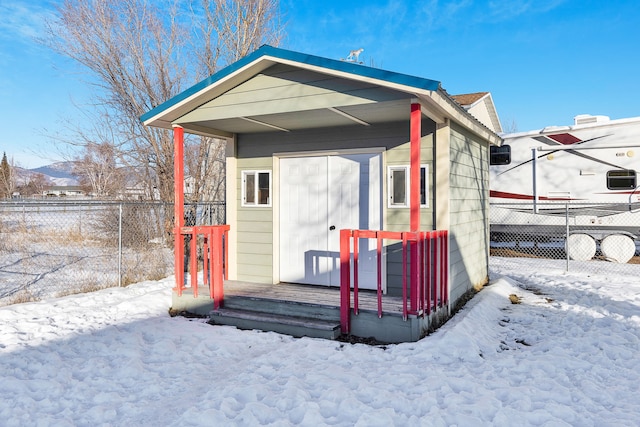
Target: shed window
[[256, 188], [399, 186], [500, 155], [621, 180]]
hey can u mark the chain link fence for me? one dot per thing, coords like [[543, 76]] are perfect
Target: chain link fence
[[56, 248], [567, 235]]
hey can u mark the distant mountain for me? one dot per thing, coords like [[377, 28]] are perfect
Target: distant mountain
[[57, 170], [59, 174]]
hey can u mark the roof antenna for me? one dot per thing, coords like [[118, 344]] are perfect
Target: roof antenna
[[354, 56]]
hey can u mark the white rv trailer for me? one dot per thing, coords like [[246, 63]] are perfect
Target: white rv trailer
[[580, 178]]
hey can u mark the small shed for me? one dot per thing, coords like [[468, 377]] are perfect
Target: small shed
[[341, 178]]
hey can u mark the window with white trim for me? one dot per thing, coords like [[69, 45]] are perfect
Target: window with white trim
[[399, 186], [256, 188]]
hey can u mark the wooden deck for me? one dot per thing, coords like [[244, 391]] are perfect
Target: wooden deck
[[303, 310], [311, 294]]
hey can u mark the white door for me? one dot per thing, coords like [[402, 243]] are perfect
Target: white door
[[303, 220], [319, 196]]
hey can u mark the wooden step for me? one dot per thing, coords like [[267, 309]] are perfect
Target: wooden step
[[283, 307], [291, 325]]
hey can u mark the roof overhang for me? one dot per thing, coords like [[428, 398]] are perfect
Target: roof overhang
[[274, 89]]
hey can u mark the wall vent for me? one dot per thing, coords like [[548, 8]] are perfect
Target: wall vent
[[583, 119]]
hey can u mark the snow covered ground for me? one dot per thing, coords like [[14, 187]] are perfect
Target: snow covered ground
[[567, 355]]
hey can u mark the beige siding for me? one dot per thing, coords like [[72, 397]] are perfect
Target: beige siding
[[254, 229], [280, 88], [397, 219], [469, 195]]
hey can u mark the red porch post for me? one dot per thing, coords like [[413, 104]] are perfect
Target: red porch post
[[414, 190], [178, 209], [414, 199], [345, 281]]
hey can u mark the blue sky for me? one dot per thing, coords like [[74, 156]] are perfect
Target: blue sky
[[544, 61]]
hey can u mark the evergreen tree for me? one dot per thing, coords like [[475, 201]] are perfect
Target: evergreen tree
[[5, 177]]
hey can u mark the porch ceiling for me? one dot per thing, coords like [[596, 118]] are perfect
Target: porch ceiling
[[361, 115]]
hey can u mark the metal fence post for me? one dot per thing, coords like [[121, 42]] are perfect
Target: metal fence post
[[566, 221], [534, 163], [120, 246]]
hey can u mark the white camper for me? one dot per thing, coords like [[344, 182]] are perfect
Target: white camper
[[583, 176]]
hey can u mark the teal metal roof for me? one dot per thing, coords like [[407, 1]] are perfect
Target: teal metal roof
[[283, 54]]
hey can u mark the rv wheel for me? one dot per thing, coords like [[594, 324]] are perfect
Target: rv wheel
[[580, 247], [618, 248]]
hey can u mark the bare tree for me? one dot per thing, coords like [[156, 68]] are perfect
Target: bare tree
[[140, 53], [205, 166], [97, 168], [511, 126], [33, 184], [231, 29], [226, 30]]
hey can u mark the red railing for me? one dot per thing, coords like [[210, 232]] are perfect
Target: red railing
[[215, 253], [425, 287]]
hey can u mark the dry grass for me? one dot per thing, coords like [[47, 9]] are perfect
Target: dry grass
[[27, 239], [13, 243], [82, 290], [517, 253], [63, 237], [21, 297], [147, 265]]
